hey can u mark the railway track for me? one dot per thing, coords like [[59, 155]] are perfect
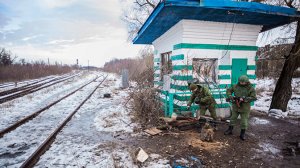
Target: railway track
[[33, 159], [10, 84], [31, 89], [33, 115], [45, 145], [33, 84]]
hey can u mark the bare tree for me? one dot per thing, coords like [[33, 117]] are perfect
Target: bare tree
[[283, 89], [136, 15]]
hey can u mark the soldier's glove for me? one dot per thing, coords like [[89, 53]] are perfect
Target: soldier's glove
[[229, 99], [243, 99], [197, 100]]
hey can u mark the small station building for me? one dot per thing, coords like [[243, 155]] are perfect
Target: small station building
[[210, 41]]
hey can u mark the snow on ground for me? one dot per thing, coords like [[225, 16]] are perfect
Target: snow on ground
[[265, 88], [259, 121], [17, 109], [17, 145], [98, 134]]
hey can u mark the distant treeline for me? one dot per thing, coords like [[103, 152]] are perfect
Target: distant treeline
[[12, 70]]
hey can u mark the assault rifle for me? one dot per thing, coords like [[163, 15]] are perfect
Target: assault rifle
[[237, 100]]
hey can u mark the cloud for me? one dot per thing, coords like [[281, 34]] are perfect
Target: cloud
[[65, 30], [56, 3], [31, 37], [60, 41], [3, 20]]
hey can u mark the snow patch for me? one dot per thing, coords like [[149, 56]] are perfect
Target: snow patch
[[277, 113], [259, 121], [269, 148], [265, 88]]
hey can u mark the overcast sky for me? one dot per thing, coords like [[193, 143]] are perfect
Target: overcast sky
[[64, 30]]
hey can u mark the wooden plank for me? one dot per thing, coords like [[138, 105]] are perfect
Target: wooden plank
[[153, 131]]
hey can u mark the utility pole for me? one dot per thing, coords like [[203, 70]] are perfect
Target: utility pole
[[88, 65], [48, 61]]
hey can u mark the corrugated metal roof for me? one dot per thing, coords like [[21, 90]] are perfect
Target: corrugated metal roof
[[170, 12]]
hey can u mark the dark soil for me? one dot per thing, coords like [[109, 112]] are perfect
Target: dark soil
[[270, 143]]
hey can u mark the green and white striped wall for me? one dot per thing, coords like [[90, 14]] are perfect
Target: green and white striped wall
[[182, 55]]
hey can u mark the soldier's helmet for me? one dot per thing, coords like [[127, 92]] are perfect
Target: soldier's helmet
[[193, 87], [193, 81], [244, 78]]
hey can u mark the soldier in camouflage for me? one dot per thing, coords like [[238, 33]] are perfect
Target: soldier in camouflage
[[202, 96], [244, 94]]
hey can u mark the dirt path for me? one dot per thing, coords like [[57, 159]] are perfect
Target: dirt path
[[267, 145]]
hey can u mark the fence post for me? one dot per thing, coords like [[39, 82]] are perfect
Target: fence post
[[171, 104], [125, 78], [166, 103]]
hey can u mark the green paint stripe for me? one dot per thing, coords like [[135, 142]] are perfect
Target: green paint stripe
[[251, 67], [156, 60], [224, 67], [224, 77], [156, 75], [224, 86], [182, 78], [177, 57], [162, 92], [223, 105], [155, 52], [178, 87], [182, 67], [215, 47], [196, 107], [256, 58], [158, 83], [185, 88], [187, 98], [251, 76], [156, 68]]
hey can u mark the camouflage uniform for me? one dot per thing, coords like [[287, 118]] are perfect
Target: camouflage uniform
[[247, 92], [203, 96]]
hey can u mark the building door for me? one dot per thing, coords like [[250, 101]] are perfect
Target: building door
[[239, 67]]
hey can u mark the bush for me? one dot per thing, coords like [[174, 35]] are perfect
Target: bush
[[145, 106]]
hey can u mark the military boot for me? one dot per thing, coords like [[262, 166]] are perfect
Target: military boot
[[242, 135], [199, 127], [229, 131], [214, 125]]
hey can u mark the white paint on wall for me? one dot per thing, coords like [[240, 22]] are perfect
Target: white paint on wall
[[165, 42], [206, 32]]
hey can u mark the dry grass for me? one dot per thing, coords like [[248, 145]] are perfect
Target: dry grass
[[19, 72]]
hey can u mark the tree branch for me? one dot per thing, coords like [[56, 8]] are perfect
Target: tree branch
[[289, 3], [151, 4], [145, 3]]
